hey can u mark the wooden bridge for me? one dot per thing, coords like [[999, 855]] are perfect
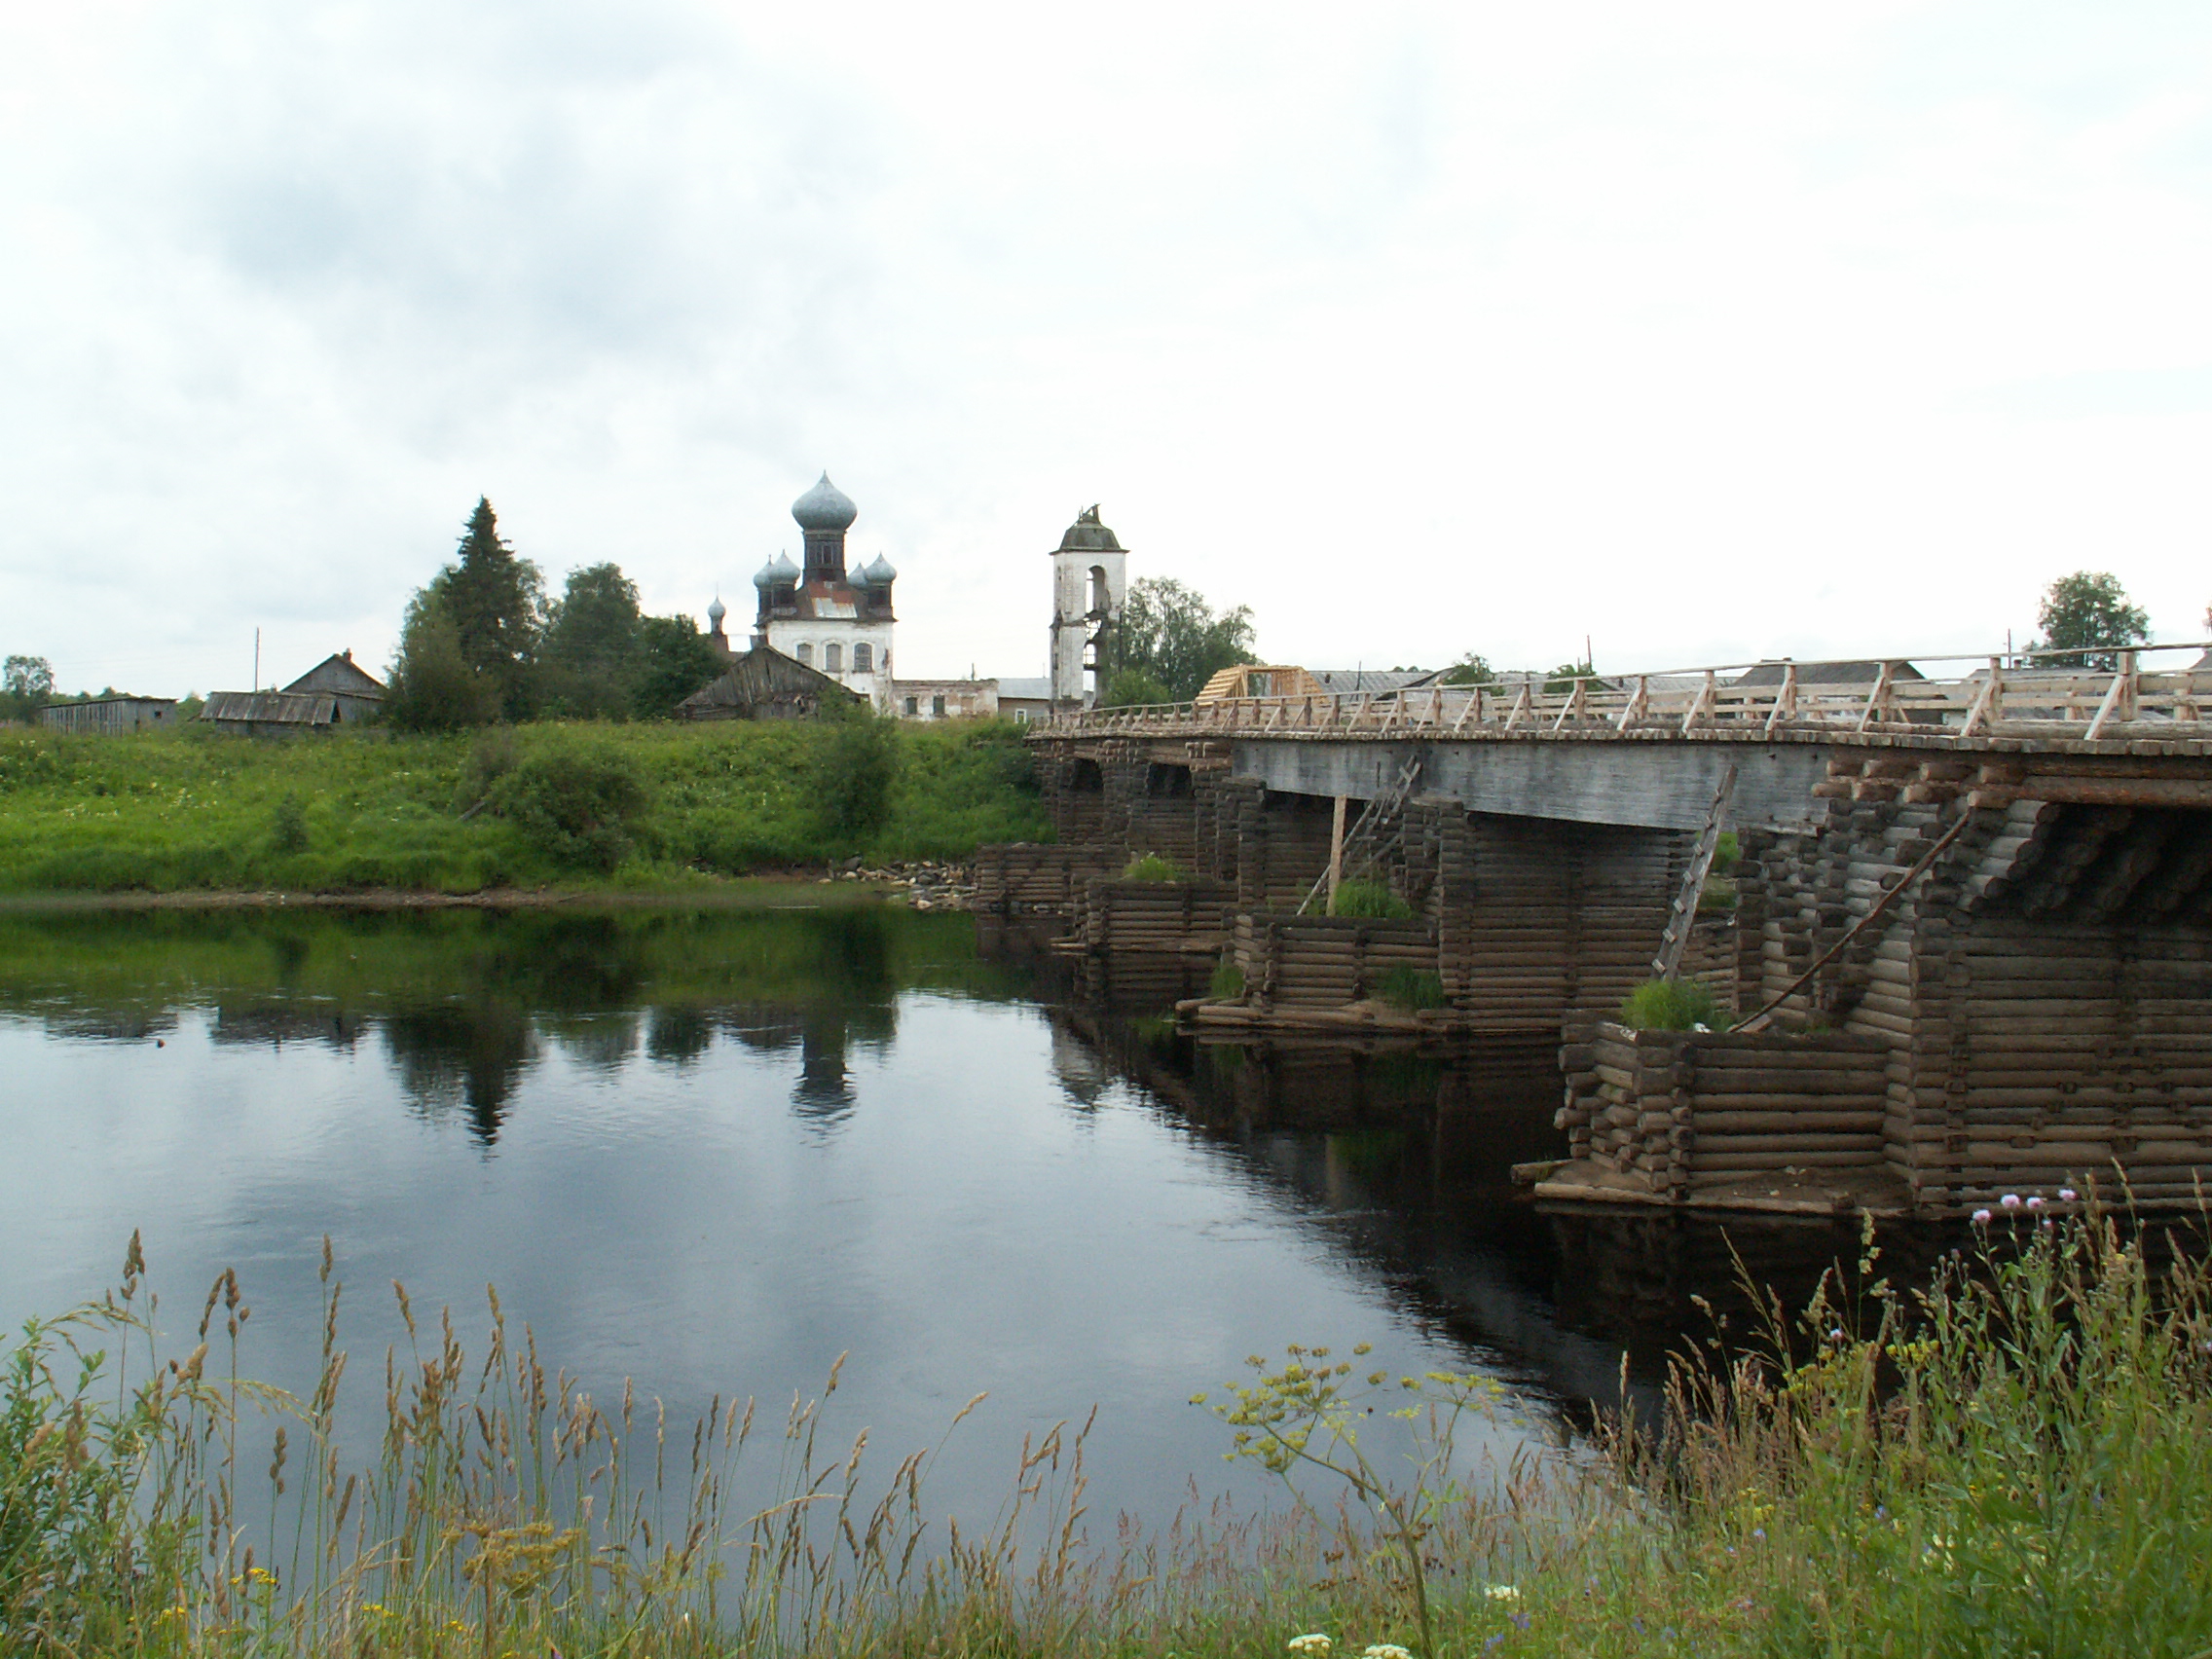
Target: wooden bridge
[[1974, 916], [2026, 700]]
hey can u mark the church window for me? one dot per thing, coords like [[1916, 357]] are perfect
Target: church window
[[913, 706], [936, 708], [806, 655], [832, 659], [863, 659]]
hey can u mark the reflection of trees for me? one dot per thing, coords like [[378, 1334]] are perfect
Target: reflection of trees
[[273, 1025], [465, 999], [466, 1056]]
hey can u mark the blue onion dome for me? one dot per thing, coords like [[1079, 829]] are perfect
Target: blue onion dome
[[764, 576], [781, 571], [880, 572], [717, 611], [825, 507]]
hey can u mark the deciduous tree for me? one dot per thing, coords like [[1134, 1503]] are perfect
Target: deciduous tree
[[26, 686], [1473, 669], [589, 661], [431, 685], [1170, 632], [672, 660], [2087, 609]]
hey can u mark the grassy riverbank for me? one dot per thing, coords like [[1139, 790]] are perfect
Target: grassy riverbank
[[2014, 1458], [180, 811]]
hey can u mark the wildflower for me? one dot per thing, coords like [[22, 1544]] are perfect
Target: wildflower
[[1758, 1532], [1386, 1650], [1503, 1593], [1836, 1334], [2067, 1195], [1313, 1646], [1982, 1218], [2011, 1201], [2035, 1201]]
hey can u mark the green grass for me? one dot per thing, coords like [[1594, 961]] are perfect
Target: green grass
[[1371, 899], [1409, 987], [2013, 1458], [1151, 866], [177, 811], [1672, 1005]]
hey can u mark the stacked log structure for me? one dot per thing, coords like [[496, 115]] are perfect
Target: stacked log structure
[[1292, 961], [1718, 1118], [1025, 878], [1537, 918], [2043, 990], [1141, 916]]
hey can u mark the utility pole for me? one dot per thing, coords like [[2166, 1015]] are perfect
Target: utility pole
[[257, 660]]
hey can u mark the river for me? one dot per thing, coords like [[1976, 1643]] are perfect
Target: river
[[712, 1152]]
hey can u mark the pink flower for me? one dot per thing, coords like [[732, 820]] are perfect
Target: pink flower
[[2035, 1201], [2067, 1195], [2011, 1201], [1982, 1218]]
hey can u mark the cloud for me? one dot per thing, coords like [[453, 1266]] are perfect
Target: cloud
[[1702, 307]]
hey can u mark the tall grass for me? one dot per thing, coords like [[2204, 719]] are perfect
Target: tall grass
[[2014, 1458], [355, 810]]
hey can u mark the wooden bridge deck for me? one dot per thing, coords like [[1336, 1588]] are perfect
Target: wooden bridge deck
[[1999, 708]]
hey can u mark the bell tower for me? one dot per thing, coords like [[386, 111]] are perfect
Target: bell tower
[[1090, 584]]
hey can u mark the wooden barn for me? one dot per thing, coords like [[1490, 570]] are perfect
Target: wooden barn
[[360, 693], [764, 684]]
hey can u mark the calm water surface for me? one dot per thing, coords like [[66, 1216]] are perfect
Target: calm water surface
[[713, 1152]]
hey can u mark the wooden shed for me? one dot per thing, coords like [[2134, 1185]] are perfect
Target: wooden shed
[[1260, 680], [272, 714], [109, 716], [764, 684]]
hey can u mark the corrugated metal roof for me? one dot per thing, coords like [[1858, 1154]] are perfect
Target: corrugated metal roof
[[1824, 673], [272, 708]]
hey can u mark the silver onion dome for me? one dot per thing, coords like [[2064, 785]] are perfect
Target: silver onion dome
[[880, 571], [825, 507]]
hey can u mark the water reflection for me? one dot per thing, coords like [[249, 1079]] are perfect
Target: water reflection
[[465, 1003], [716, 1151]]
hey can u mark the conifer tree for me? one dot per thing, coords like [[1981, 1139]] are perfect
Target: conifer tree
[[496, 602]]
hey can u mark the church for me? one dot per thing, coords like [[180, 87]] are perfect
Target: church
[[835, 621], [838, 621]]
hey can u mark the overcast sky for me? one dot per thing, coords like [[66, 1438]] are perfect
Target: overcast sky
[[1708, 331]]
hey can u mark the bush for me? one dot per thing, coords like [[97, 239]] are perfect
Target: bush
[[1151, 866], [579, 808], [289, 823], [1368, 898], [1672, 1005], [1228, 980], [1727, 853], [1409, 987], [855, 770]]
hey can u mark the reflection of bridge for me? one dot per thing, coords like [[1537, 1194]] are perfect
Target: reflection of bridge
[[2004, 879]]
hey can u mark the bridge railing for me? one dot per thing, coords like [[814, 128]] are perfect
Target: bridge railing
[[2027, 694]]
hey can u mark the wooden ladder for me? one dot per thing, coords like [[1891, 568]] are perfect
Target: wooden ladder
[[1668, 964], [1380, 823]]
